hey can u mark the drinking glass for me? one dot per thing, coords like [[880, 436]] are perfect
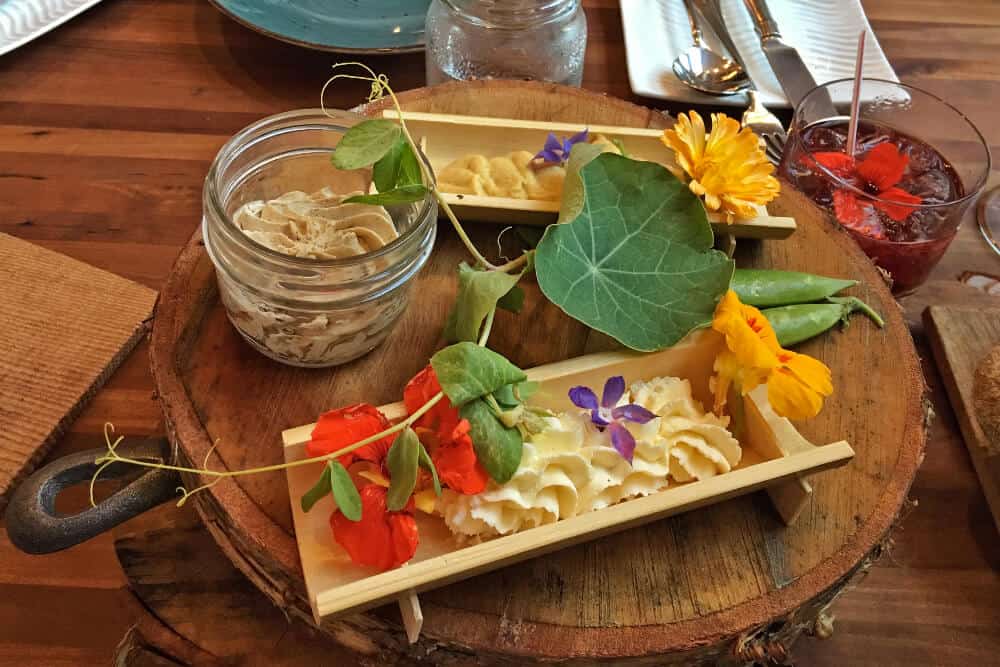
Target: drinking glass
[[903, 204]]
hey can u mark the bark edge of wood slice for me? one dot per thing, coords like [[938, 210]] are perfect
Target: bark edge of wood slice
[[615, 598]]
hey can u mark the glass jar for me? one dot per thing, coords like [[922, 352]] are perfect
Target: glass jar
[[302, 311], [543, 40]]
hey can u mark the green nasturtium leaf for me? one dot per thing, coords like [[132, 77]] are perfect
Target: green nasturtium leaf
[[345, 494], [427, 464], [573, 194], [467, 371], [478, 293], [366, 143], [498, 448], [401, 195], [637, 262], [402, 459]]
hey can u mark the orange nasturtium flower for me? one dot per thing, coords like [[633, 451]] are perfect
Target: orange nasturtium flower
[[446, 436], [796, 383]]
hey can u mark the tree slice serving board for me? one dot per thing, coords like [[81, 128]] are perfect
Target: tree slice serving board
[[726, 583]]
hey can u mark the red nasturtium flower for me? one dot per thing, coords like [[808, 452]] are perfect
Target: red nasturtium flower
[[878, 174], [339, 428], [446, 436], [381, 539]]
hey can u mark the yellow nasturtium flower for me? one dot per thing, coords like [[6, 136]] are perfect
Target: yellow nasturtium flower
[[725, 166], [796, 383]]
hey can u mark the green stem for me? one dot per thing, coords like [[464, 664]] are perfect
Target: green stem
[[458, 225], [282, 466], [513, 264], [487, 327], [854, 303]]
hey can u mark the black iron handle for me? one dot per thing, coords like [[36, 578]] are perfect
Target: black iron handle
[[33, 524]]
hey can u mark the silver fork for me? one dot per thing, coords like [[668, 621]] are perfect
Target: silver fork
[[766, 126], [763, 123]]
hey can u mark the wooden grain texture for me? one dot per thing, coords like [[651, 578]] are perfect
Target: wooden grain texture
[[611, 599], [180, 73], [961, 337], [65, 327]]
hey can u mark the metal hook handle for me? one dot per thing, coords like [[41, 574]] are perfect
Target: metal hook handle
[[35, 527]]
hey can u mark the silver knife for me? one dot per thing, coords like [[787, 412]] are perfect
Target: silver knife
[[712, 13], [788, 67]]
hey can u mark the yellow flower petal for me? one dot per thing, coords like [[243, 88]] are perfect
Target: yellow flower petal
[[797, 388], [374, 477], [811, 372], [790, 397], [726, 368], [425, 501], [796, 383], [748, 333], [730, 169]]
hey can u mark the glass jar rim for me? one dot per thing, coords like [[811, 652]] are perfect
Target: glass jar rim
[[247, 134], [970, 193], [547, 10]]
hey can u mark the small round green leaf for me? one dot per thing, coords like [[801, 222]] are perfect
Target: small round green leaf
[[366, 143]]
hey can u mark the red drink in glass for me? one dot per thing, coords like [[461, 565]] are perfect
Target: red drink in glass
[[898, 196]]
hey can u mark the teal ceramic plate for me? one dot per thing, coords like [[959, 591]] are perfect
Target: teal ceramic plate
[[350, 26]]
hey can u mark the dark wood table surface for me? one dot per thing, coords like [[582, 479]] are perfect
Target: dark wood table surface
[[107, 127]]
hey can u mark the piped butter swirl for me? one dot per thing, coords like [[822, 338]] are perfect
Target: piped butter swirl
[[570, 467], [318, 225]]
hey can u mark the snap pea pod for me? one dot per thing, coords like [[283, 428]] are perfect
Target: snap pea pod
[[798, 322], [766, 287]]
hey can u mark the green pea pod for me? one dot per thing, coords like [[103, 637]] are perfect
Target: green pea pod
[[798, 322], [765, 287]]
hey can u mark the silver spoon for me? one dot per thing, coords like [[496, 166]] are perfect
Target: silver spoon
[[705, 70]]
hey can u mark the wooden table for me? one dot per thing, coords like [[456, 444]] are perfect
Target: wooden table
[[107, 127]]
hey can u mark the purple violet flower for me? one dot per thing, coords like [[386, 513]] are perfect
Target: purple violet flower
[[610, 415], [557, 152]]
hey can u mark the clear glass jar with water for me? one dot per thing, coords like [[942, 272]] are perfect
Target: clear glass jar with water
[[543, 40]]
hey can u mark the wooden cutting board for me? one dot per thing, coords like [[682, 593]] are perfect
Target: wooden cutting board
[[960, 338], [728, 584], [64, 328]]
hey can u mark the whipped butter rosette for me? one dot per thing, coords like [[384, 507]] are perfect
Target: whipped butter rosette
[[571, 466]]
